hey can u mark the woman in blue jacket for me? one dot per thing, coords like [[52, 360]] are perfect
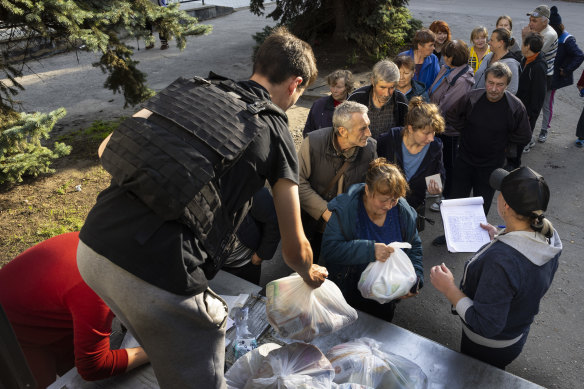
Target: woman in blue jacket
[[506, 279], [417, 152], [426, 63], [364, 221]]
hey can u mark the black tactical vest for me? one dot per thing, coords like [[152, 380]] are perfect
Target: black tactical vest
[[173, 160]]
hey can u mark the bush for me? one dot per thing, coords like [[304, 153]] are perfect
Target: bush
[[21, 152]]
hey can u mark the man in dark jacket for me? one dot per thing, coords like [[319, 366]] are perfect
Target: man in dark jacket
[[331, 160], [493, 124], [387, 105], [532, 82]]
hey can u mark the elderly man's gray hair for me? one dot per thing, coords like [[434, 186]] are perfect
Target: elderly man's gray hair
[[499, 70], [386, 71], [344, 112]]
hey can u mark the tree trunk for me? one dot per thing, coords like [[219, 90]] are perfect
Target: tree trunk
[[338, 7]]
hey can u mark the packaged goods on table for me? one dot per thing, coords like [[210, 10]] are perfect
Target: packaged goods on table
[[300, 312], [389, 280], [292, 366], [362, 361]]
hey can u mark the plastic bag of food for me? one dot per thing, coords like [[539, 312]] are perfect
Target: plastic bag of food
[[300, 312], [386, 281], [293, 366], [361, 361], [247, 365]]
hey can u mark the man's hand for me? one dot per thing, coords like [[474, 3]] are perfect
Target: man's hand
[[326, 215], [315, 276], [525, 31], [256, 260], [382, 252], [492, 230]]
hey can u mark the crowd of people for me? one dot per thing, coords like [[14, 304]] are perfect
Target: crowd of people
[[461, 116]]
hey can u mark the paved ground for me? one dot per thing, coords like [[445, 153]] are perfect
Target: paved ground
[[553, 354]]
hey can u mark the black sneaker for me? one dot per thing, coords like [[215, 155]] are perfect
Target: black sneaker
[[439, 241]]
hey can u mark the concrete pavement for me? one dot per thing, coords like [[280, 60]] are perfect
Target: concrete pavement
[[553, 354]]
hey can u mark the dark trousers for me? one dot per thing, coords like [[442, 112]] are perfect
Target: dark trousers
[[580, 127], [249, 272], [498, 357], [468, 177], [449, 153]]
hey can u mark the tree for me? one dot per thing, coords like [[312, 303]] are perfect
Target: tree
[[99, 26], [379, 27]]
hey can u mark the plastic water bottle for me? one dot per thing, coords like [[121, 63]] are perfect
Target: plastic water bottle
[[244, 340]]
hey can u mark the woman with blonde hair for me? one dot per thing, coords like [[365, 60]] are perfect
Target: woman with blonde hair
[[480, 48], [418, 153], [364, 221]]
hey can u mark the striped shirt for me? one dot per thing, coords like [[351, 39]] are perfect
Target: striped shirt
[[550, 48]]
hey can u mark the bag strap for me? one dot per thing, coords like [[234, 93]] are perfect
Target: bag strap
[[453, 81], [337, 176]]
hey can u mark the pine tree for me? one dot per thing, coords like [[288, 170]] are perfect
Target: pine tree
[[380, 28], [104, 27]]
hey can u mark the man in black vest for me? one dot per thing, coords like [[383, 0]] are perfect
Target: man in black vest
[[331, 160], [151, 270]]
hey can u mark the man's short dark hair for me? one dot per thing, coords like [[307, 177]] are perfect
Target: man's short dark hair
[[283, 55], [499, 70], [458, 51], [533, 40]]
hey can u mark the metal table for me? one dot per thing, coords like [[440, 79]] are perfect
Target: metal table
[[444, 368]]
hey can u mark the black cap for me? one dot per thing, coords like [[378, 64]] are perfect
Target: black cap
[[523, 189], [555, 18]]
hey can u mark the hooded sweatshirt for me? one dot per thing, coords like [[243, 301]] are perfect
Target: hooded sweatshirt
[[504, 284], [508, 59]]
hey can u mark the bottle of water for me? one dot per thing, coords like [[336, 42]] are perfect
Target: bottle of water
[[244, 340]]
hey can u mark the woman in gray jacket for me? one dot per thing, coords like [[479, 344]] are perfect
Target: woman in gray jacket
[[500, 43]]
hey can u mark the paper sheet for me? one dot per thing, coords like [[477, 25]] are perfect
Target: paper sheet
[[462, 218]]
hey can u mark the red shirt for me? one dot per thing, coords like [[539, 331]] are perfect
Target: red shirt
[[47, 302]]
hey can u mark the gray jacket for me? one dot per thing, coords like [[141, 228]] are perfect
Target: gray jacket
[[508, 60]]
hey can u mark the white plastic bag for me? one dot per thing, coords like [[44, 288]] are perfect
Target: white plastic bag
[[247, 365], [362, 361], [386, 281], [293, 366], [300, 312]]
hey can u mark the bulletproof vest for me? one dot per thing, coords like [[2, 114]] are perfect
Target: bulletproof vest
[[173, 160]]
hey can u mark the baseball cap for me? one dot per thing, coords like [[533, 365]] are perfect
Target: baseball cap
[[523, 189], [541, 10]]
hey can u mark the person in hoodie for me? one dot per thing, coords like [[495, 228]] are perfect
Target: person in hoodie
[[532, 82], [406, 84], [568, 58], [417, 152], [504, 282], [363, 222], [500, 44]]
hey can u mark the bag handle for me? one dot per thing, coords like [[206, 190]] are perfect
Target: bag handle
[[337, 176]]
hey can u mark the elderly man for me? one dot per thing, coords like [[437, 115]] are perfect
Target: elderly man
[[331, 160], [387, 106], [493, 124], [538, 22]]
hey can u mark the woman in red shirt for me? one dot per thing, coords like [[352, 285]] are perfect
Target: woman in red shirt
[[58, 320]]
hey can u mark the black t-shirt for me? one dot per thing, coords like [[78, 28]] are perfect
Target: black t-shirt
[[485, 134], [167, 254]]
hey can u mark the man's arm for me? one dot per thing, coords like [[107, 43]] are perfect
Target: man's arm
[[295, 247]]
